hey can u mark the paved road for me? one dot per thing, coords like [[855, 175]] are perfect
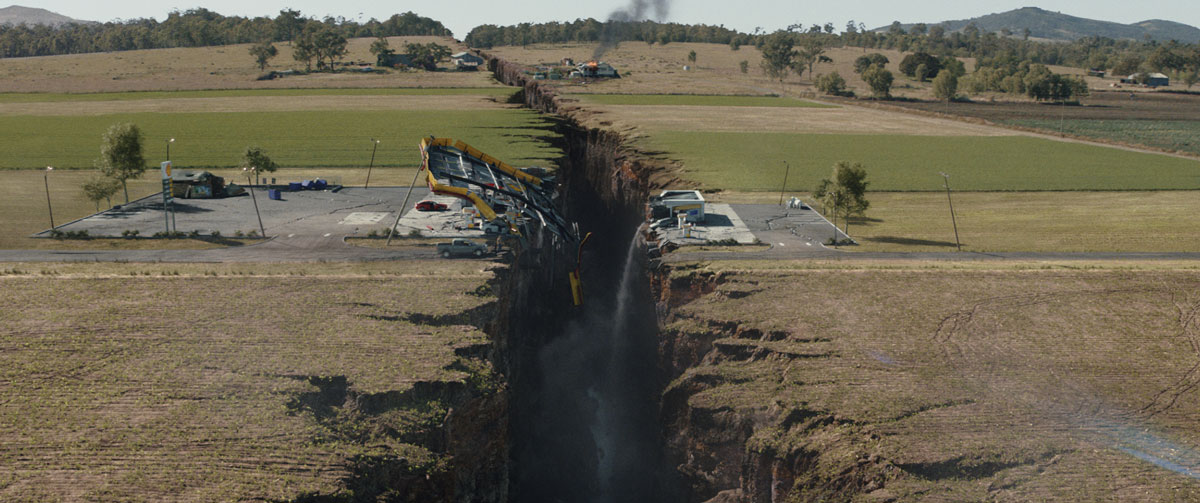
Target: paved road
[[280, 249], [778, 253]]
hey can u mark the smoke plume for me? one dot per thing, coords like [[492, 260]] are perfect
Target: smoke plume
[[635, 11]]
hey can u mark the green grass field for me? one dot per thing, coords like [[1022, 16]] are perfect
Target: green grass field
[[1182, 136], [698, 100], [750, 161], [228, 93], [293, 139]]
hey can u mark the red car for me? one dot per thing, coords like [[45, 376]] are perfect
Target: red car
[[430, 206]]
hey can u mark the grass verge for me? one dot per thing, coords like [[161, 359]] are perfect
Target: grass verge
[[229, 93]]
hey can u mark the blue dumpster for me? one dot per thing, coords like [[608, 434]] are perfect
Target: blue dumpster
[[275, 194], [294, 187]]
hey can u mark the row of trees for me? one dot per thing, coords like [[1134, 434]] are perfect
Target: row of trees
[[1121, 56], [591, 30], [121, 159], [197, 28]]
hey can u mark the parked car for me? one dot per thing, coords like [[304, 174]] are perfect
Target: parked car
[[460, 247], [430, 206]]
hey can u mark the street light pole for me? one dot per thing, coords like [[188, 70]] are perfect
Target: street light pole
[[46, 179], [952, 219], [374, 146], [255, 200], [786, 171], [403, 206], [173, 228]]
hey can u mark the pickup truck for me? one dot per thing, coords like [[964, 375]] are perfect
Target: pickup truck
[[459, 247]]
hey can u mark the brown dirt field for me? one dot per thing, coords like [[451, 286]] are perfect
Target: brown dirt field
[[226, 67], [199, 383], [255, 104], [841, 120], [1101, 105], [1024, 384]]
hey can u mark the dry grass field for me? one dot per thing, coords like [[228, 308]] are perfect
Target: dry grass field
[[226, 67], [222, 383], [1077, 221], [1030, 382]]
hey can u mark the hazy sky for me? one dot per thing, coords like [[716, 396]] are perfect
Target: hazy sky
[[462, 15]]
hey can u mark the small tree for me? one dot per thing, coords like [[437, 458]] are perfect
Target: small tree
[[844, 193], [880, 81], [427, 55], [779, 58], [867, 60], [945, 85], [121, 154], [744, 66], [832, 84], [381, 49], [256, 157], [262, 53], [304, 49], [692, 57], [1190, 78], [100, 187], [330, 47]]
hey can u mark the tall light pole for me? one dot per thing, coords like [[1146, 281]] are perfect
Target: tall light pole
[[173, 228], [46, 179], [403, 205], [952, 219], [255, 200], [374, 146], [787, 169]]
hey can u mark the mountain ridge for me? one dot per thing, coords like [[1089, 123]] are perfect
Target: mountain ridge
[[1058, 26], [14, 15]]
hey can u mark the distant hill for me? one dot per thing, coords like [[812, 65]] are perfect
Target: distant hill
[[1057, 26], [16, 14]]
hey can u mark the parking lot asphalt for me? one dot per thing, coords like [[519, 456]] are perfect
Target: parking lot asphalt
[[303, 214]]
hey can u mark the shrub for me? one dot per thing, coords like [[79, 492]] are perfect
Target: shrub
[[832, 84]]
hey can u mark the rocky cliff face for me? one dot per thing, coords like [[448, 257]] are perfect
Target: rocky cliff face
[[762, 452]]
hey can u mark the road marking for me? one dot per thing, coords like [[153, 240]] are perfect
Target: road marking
[[809, 243], [291, 235], [327, 234], [781, 244], [363, 218]]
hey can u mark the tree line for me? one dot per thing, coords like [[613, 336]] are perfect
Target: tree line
[[591, 30], [1121, 56], [198, 27]]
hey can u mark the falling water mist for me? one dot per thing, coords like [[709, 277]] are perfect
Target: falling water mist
[[591, 433]]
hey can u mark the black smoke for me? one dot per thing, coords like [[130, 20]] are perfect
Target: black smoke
[[619, 20]]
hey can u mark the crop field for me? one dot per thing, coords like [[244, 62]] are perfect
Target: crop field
[[293, 139], [755, 161], [698, 100], [1178, 136], [1031, 382], [224, 383]]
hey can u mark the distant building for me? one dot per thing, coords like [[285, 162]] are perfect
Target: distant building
[[466, 61], [395, 61], [595, 69], [1150, 80], [1096, 72]]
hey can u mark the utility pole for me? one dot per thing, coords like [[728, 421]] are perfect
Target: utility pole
[[787, 169], [375, 145], [403, 206], [46, 179], [952, 219], [255, 200]]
